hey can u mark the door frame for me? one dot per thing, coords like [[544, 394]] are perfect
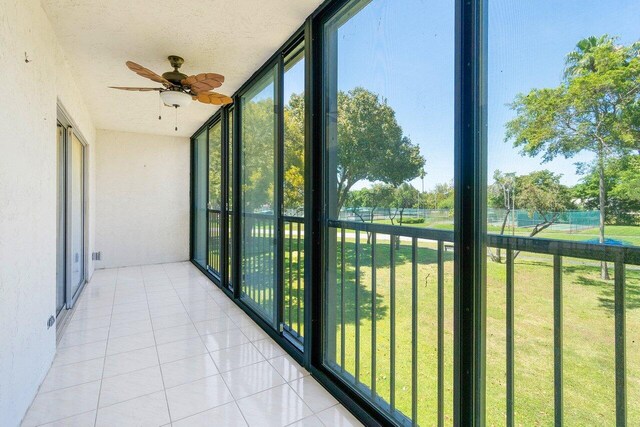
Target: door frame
[[70, 130]]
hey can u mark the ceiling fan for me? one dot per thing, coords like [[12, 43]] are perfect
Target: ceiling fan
[[179, 89]]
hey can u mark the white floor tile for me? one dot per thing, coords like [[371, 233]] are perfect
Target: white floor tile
[[269, 348], [80, 353], [150, 410], [83, 337], [72, 374], [188, 370], [288, 368], [216, 325], [180, 350], [236, 357], [276, 406], [338, 416], [83, 420], [313, 394], [58, 404], [189, 399], [175, 333], [171, 320], [216, 367], [128, 386], [130, 361], [252, 379], [312, 421], [224, 339], [227, 415], [130, 342]]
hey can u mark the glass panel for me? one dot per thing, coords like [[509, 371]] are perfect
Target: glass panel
[[76, 218], [293, 192], [258, 182], [230, 197], [200, 198], [563, 166], [215, 196], [389, 124], [60, 223]]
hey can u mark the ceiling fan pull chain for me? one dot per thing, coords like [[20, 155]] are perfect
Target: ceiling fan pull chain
[[176, 107], [159, 107]]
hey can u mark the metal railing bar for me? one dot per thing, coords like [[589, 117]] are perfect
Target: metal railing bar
[[290, 273], [557, 340], [357, 307], [373, 314], [414, 331], [392, 296], [620, 344], [342, 307], [510, 280], [590, 251], [299, 266], [440, 333]]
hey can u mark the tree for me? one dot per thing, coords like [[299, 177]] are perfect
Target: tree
[[405, 196], [294, 153], [379, 195], [371, 144], [258, 147], [502, 196], [622, 186], [542, 195], [594, 109]]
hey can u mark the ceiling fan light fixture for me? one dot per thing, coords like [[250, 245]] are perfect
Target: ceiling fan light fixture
[[175, 98]]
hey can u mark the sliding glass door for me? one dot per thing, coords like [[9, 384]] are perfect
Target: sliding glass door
[[75, 216], [70, 216], [259, 210], [61, 219]]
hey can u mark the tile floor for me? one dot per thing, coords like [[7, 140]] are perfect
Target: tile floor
[[160, 345]]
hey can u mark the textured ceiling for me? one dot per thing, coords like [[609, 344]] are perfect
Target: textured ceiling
[[230, 37]]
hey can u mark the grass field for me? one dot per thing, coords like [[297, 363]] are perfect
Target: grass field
[[589, 397]]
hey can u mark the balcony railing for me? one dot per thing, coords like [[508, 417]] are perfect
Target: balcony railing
[[390, 317], [259, 265], [389, 314], [294, 277]]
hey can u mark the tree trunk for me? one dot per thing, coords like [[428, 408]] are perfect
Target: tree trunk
[[604, 269], [498, 256]]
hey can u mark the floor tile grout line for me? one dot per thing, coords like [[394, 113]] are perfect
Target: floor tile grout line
[[164, 387], [64, 418], [106, 348], [214, 362]]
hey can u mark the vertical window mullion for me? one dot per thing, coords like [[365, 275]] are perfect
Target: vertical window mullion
[[470, 214]]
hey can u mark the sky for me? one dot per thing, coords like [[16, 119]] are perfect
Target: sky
[[404, 51]]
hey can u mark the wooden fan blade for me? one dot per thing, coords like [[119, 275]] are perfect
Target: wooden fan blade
[[145, 72], [139, 89], [213, 98], [203, 82]]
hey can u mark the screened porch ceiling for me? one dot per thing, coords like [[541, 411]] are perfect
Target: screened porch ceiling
[[233, 38]]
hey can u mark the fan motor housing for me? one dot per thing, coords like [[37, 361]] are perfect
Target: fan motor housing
[[175, 76]]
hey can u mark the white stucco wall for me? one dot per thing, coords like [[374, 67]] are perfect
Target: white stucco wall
[[142, 205], [30, 94]]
